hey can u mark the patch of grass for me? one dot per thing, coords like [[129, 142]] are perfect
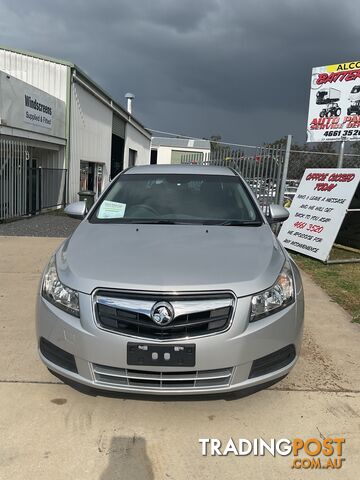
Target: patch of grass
[[340, 281]]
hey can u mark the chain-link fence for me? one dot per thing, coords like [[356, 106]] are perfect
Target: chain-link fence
[[300, 160], [274, 172], [261, 168]]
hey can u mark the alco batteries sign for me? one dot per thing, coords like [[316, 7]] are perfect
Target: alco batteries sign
[[318, 210], [334, 106]]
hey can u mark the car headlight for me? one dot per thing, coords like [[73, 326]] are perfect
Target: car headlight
[[58, 294], [277, 297]]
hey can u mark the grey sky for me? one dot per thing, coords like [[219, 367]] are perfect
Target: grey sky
[[238, 68]]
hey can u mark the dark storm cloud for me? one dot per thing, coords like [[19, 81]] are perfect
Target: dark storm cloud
[[238, 68]]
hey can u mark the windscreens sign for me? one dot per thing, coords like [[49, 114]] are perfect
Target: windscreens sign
[[334, 106], [318, 210], [26, 107], [38, 111]]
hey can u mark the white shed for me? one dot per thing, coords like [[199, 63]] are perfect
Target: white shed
[[55, 118], [173, 150]]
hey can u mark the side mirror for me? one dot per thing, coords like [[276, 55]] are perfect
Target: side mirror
[[76, 210], [278, 213]]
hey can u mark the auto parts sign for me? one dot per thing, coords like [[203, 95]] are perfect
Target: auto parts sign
[[334, 106]]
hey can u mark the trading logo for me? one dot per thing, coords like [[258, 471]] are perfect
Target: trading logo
[[162, 313]]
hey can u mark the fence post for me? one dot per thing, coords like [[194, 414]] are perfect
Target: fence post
[[285, 169], [40, 189], [341, 154], [65, 187]]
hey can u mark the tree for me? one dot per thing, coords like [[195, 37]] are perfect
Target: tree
[[281, 142], [214, 142]]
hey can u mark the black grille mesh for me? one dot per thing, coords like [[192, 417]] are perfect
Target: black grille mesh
[[140, 325]]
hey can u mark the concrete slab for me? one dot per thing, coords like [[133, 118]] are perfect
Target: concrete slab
[[22, 260], [50, 430], [53, 431]]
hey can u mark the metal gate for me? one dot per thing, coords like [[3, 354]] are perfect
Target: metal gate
[[263, 168], [25, 190], [13, 179], [46, 188]]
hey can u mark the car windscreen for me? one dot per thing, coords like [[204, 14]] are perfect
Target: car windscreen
[[178, 199]]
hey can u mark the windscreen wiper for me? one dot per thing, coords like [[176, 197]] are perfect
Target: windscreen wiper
[[155, 222], [241, 223]]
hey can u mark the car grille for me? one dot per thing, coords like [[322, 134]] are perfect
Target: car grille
[[123, 377], [194, 315]]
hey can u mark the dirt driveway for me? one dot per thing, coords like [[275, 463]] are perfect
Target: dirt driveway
[[49, 430]]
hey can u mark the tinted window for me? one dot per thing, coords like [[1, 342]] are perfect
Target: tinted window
[[177, 198]]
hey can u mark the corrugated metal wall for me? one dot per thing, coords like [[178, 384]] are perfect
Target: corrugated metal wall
[[118, 126], [90, 136], [136, 141], [91, 121], [46, 75]]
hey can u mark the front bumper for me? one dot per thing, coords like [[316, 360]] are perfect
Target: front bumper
[[224, 361]]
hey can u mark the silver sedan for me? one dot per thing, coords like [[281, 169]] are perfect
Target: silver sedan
[[173, 283]]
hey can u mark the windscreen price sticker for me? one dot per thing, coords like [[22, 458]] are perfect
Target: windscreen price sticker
[[318, 210]]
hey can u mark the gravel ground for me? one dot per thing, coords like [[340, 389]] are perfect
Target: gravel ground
[[45, 225]]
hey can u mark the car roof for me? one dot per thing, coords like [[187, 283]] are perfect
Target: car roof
[[180, 169]]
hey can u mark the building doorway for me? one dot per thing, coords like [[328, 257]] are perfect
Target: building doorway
[[132, 157], [117, 155], [91, 177], [153, 156]]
